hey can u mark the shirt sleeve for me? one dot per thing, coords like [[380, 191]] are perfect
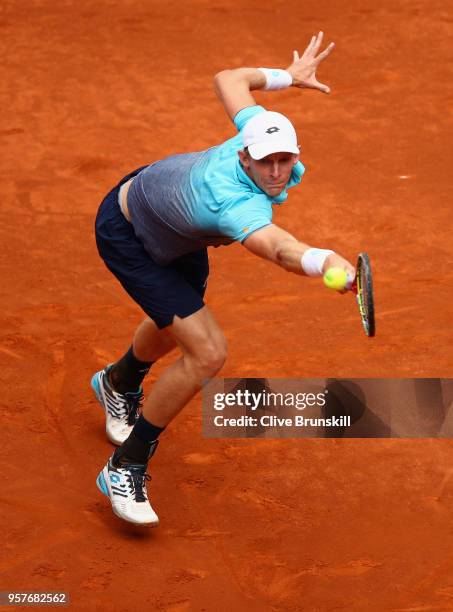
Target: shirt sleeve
[[245, 217], [245, 114]]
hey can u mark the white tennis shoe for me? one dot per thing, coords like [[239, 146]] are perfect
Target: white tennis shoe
[[125, 486], [121, 410]]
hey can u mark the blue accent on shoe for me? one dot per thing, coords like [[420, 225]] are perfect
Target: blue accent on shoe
[[95, 383], [95, 386], [101, 484]]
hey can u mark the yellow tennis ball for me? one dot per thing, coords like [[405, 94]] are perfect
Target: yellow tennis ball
[[335, 278]]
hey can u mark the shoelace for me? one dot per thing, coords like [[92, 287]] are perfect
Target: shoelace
[[130, 402], [136, 478], [134, 403]]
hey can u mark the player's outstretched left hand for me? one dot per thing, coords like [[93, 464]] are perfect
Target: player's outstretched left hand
[[303, 69]]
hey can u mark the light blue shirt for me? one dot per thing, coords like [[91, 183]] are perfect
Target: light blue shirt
[[187, 202]]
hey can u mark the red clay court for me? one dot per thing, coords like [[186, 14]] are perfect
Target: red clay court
[[91, 90]]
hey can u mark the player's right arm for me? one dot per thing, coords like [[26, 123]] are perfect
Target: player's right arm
[[282, 248], [234, 87]]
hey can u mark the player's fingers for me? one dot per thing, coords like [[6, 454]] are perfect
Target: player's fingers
[[321, 86], [317, 43], [325, 53], [350, 281], [309, 47], [295, 56]]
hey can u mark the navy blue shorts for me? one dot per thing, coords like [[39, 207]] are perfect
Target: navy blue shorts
[[161, 291]]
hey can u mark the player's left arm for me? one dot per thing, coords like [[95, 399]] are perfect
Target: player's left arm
[[279, 246], [234, 87]]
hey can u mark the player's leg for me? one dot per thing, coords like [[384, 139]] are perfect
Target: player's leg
[[199, 337], [118, 386], [203, 349], [149, 344], [175, 304]]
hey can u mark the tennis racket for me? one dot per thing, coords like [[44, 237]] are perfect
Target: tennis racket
[[363, 289]]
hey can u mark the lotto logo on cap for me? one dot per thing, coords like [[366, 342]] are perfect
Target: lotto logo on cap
[[269, 132]]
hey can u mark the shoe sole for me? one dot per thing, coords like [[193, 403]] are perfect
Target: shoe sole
[[103, 488], [98, 393]]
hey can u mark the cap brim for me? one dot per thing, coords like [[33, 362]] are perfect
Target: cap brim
[[261, 149]]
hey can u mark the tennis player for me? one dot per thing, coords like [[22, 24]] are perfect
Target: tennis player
[[153, 230]]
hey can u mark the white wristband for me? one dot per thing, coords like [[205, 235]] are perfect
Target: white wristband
[[276, 78], [313, 260]]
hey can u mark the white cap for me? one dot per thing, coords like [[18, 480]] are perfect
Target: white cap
[[267, 133]]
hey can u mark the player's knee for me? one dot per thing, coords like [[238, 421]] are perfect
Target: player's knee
[[210, 357]]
